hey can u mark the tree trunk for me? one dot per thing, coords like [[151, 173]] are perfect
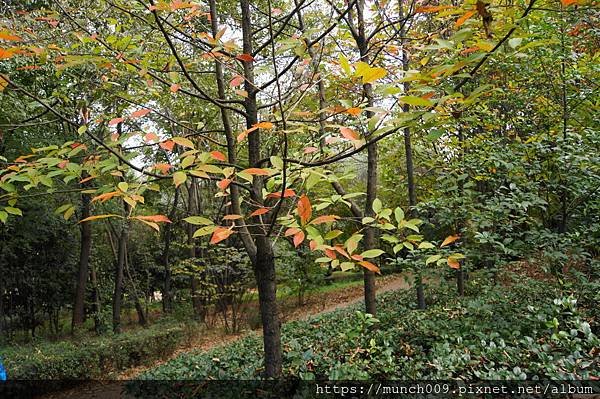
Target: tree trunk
[[191, 229], [84, 259], [119, 266], [167, 299], [264, 268]]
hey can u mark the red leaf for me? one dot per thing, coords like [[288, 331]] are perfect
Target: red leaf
[[330, 254], [256, 171], [298, 238], [236, 81], [325, 219], [220, 234], [150, 137], [309, 150], [164, 168], [115, 121], [291, 231], [304, 209], [287, 193], [260, 211], [141, 112], [175, 88], [219, 156], [167, 145], [313, 245], [245, 57], [154, 218], [63, 164], [349, 134], [450, 240], [342, 251], [223, 184], [369, 266]]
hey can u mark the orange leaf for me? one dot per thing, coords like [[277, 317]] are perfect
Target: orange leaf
[[219, 156], [287, 193], [463, 18], [453, 263], [450, 240], [223, 184], [141, 112], [245, 57], [263, 125], [330, 254], [232, 217], [256, 171], [354, 111], [298, 238], [291, 231], [115, 121], [260, 211], [105, 197], [6, 53], [427, 9], [220, 234], [63, 164], [342, 251], [309, 150], [114, 136], [9, 37], [150, 137], [313, 245], [349, 133], [154, 218], [98, 217], [357, 257], [175, 88], [369, 266], [86, 179], [236, 81], [167, 145], [325, 219], [163, 168], [567, 3], [304, 209]]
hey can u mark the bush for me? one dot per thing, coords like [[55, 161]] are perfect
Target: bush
[[92, 359], [528, 330]]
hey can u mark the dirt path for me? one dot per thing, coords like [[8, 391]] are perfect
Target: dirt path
[[316, 304]]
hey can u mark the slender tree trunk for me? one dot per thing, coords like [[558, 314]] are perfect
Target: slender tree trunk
[[371, 239], [119, 275], [167, 298], [84, 259], [191, 229], [263, 259], [96, 299]]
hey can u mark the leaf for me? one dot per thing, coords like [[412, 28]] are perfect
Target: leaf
[[286, 193], [236, 81], [345, 64], [432, 259], [369, 266], [232, 217], [167, 145], [198, 220], [223, 184], [304, 209], [182, 141], [123, 186], [310, 150], [354, 111], [298, 238], [204, 231], [96, 217], [377, 205], [324, 219], [149, 137], [220, 234], [245, 57], [368, 73], [449, 240], [263, 125], [372, 253], [115, 121], [154, 218], [140, 113], [567, 3], [174, 88], [105, 197], [256, 171], [349, 134], [163, 168], [9, 37], [453, 263], [260, 211], [426, 245], [13, 211], [416, 101], [219, 156], [179, 178], [464, 18], [151, 224]]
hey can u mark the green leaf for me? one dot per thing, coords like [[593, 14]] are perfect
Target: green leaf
[[203, 231], [123, 186], [377, 205], [13, 211], [198, 220], [345, 64], [179, 178], [399, 214], [416, 101], [82, 129], [345, 266], [426, 245], [432, 259], [277, 162], [372, 253]]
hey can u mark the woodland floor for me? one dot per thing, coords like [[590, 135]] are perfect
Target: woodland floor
[[315, 304]]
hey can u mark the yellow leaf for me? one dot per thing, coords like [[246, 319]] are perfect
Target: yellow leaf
[[450, 240], [182, 141], [110, 215]]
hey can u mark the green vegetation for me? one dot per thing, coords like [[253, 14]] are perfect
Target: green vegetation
[[520, 329]]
